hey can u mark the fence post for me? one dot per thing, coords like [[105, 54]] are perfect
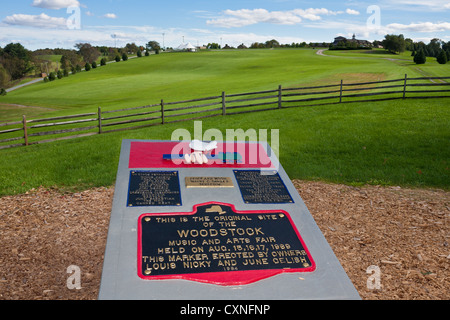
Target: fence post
[[99, 120], [224, 106], [280, 92], [162, 111], [340, 95], [25, 132], [404, 87]]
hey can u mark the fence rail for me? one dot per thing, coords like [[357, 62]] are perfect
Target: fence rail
[[30, 132]]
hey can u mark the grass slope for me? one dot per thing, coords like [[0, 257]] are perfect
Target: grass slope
[[401, 142], [391, 143], [180, 76]]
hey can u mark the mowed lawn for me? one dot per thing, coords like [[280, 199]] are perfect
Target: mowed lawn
[[181, 76], [400, 142]]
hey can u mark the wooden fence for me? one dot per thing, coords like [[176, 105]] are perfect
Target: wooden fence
[[35, 131]]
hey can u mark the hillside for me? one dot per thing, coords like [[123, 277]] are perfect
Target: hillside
[[401, 142]]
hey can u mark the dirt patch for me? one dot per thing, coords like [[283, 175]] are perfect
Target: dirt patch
[[403, 232], [335, 80], [14, 112]]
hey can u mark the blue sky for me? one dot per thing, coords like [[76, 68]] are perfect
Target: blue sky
[[49, 23]]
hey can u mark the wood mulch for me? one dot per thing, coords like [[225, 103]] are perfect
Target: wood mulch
[[403, 233]]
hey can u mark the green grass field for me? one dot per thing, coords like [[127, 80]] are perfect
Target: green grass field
[[401, 142]]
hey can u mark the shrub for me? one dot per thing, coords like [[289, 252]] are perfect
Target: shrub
[[147, 53], [117, 58], [66, 73], [139, 54], [87, 66], [59, 74], [46, 79], [52, 76], [103, 62], [78, 68], [420, 57], [74, 70], [124, 57], [94, 65], [3, 92], [442, 57]]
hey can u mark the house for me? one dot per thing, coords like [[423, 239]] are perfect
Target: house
[[352, 43]]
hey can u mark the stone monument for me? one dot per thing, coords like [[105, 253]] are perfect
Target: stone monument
[[213, 221]]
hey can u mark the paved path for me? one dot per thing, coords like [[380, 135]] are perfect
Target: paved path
[[25, 84], [42, 79]]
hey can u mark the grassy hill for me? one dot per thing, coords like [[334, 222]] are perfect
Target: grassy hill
[[179, 76], [401, 142]]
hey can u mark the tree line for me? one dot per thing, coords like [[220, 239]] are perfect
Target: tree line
[[436, 48], [17, 62]]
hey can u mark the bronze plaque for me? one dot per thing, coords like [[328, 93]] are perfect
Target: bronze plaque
[[209, 182], [257, 188], [154, 188], [217, 244]]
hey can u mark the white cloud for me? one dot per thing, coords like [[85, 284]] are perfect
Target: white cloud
[[55, 4], [353, 12], [245, 17], [419, 27], [416, 5], [39, 21], [110, 16]]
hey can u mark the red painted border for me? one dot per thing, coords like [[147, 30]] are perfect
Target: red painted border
[[225, 278], [150, 155]]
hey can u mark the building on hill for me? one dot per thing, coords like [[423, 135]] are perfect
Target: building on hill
[[353, 43]]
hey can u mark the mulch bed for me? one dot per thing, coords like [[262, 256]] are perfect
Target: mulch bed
[[403, 232]]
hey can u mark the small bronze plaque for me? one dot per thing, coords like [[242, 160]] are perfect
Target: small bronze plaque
[[209, 182], [217, 244], [258, 188], [154, 188]]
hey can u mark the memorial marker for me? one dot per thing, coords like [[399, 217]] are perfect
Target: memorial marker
[[217, 244], [213, 224]]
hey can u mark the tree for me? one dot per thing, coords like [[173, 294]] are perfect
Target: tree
[[131, 48], [394, 43], [124, 57], [88, 52], [94, 65], [139, 54], [213, 46], [87, 66], [4, 77], [420, 57], [52, 76], [153, 46], [117, 58], [16, 60], [272, 44], [442, 57], [59, 74], [18, 51], [103, 62]]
